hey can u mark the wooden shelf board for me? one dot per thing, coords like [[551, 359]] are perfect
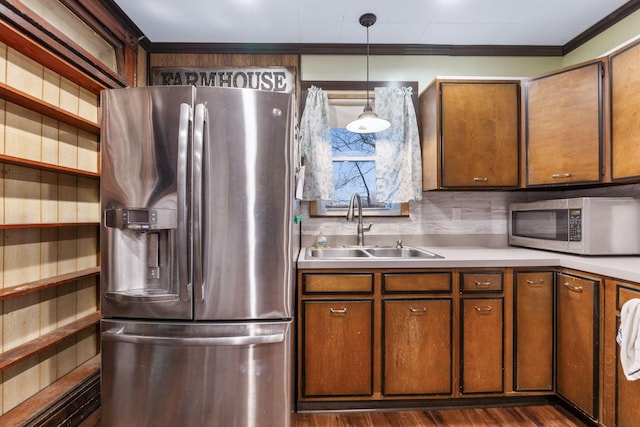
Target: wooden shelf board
[[44, 342], [47, 225], [38, 285], [49, 395], [32, 103], [47, 166]]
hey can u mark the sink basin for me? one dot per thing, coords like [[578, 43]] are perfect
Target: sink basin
[[405, 252], [386, 252], [336, 253]]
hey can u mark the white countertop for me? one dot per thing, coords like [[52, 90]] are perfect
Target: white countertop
[[625, 268]]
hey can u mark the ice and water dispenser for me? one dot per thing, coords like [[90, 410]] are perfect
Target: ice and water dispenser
[[144, 243]]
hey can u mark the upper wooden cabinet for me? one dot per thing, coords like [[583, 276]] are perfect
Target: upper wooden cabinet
[[470, 134], [564, 126], [625, 105]]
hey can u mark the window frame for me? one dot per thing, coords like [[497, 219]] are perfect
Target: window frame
[[348, 89]]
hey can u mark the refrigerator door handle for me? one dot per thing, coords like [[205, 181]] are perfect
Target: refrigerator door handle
[[182, 171], [196, 200], [116, 334]]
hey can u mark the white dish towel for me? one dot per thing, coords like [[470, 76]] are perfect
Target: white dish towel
[[629, 339]]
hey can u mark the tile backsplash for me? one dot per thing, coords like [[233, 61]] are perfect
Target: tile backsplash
[[447, 218]]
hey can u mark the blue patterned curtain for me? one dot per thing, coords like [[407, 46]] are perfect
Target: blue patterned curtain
[[315, 147], [398, 160]]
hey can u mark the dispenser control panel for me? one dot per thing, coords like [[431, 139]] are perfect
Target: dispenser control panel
[[135, 219]]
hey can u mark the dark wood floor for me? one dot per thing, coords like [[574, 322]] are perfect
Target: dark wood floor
[[529, 416]]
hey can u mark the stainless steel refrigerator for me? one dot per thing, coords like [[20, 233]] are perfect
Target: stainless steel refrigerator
[[197, 257]]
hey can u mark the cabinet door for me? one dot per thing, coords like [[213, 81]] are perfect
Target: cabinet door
[[563, 114], [337, 348], [533, 331], [577, 342], [482, 346], [417, 346], [479, 134], [625, 104]]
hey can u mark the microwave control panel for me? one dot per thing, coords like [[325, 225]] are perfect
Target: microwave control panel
[[575, 225]]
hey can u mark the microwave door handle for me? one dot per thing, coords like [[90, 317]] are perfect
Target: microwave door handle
[[200, 122], [182, 170]]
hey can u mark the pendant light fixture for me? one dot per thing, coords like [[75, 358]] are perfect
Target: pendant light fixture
[[368, 121]]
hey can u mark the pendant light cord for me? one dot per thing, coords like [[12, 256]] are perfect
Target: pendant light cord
[[368, 65]]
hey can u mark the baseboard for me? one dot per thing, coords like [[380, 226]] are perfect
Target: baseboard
[[72, 408]]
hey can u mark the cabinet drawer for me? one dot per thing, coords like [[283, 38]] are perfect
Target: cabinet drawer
[[481, 282], [361, 283], [416, 282], [624, 294]]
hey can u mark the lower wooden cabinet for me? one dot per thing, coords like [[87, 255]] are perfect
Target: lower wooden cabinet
[[417, 351], [577, 341], [482, 345], [533, 325], [337, 348], [621, 404]]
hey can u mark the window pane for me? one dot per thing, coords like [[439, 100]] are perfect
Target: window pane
[[347, 143]]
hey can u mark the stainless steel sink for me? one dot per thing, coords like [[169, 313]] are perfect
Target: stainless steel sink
[[336, 253], [386, 252], [404, 252]]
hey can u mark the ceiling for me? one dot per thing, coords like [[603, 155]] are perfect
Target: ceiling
[[422, 22]]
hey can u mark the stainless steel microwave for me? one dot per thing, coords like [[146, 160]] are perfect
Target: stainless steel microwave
[[584, 225]]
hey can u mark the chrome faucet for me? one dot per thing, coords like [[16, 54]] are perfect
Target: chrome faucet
[[350, 217]]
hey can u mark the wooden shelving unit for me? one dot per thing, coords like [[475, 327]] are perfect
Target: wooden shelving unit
[[37, 345], [32, 103], [47, 166], [47, 225], [38, 285]]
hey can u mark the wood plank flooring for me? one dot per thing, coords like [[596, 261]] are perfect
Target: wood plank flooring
[[521, 416]]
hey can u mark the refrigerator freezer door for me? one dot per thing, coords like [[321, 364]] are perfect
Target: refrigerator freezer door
[[246, 260], [228, 374], [146, 138]]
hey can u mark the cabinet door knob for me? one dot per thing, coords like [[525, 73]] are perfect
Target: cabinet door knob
[[342, 310], [484, 309]]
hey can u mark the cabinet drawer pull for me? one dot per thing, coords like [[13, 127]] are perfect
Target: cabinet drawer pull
[[535, 282], [482, 284], [572, 288], [483, 309], [481, 179], [561, 175], [342, 310], [414, 310]]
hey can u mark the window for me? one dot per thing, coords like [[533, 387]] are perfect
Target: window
[[354, 155]]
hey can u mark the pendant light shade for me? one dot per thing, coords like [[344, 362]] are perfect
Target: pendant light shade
[[368, 121]]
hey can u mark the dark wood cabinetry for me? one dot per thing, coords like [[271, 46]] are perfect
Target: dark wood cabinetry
[[625, 104], [481, 332], [470, 134], [577, 341], [564, 130], [337, 348], [533, 326], [620, 400], [417, 347]]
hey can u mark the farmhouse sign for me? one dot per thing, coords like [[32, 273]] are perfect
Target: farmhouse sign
[[273, 79]]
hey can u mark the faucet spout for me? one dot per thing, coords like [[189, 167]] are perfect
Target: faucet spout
[[351, 214]]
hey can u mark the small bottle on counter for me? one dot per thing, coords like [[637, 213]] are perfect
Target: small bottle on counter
[[321, 241]]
